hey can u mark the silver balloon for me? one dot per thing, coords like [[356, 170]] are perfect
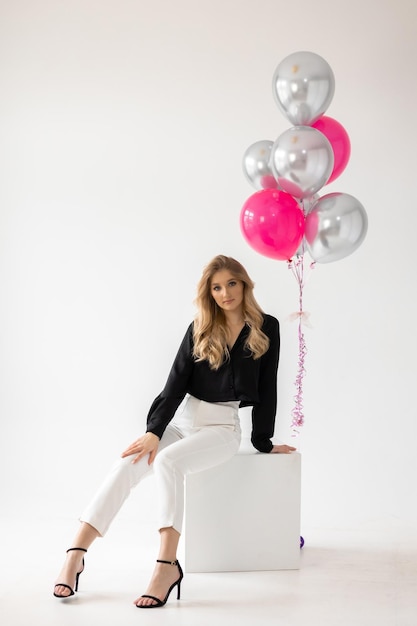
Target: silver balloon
[[302, 161], [303, 87], [256, 165], [335, 227]]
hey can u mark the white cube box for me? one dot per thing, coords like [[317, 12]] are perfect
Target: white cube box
[[244, 515]]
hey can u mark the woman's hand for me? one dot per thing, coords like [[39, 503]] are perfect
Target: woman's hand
[[147, 444], [283, 449]]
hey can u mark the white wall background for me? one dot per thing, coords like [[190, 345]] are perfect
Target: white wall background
[[122, 129]]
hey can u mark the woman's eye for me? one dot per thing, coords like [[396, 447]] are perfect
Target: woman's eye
[[216, 288], [232, 283]]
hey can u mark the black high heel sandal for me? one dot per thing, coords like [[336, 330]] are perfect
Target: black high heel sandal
[[72, 591], [159, 602]]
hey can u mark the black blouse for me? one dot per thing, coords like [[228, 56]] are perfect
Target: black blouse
[[253, 382]]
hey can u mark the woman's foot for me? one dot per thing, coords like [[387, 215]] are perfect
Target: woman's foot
[[68, 575], [164, 576]]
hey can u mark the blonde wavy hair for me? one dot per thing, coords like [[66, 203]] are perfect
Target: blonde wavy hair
[[210, 331]]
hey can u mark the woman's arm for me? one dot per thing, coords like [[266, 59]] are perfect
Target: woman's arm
[[263, 413], [164, 406]]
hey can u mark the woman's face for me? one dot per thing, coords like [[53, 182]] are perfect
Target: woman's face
[[227, 291]]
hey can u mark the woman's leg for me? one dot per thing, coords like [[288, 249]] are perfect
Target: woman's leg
[[204, 448], [164, 575], [74, 561], [122, 478], [104, 506]]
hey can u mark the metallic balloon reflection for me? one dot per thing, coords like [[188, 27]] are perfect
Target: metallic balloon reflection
[[335, 227], [303, 86], [256, 165], [302, 161]]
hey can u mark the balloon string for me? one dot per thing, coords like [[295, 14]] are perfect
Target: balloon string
[[297, 413], [297, 268]]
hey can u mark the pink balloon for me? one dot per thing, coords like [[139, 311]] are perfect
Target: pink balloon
[[273, 223], [339, 140]]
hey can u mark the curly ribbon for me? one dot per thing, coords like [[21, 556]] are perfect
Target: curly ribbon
[[297, 413]]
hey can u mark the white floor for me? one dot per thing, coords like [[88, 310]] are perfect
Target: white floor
[[363, 577]]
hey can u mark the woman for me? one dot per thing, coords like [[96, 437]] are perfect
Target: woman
[[228, 358]]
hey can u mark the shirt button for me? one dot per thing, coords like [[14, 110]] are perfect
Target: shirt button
[[230, 386]]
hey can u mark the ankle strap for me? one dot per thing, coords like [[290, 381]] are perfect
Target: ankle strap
[[82, 549], [167, 562]]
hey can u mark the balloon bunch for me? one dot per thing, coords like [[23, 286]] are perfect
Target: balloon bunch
[[286, 216]]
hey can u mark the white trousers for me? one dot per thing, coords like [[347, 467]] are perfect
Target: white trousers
[[200, 436]]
